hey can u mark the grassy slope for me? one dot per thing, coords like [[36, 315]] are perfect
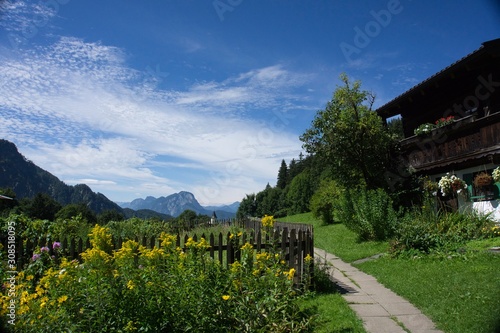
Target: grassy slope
[[461, 294], [337, 239]]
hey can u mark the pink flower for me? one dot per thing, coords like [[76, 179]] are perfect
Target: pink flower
[[44, 249], [56, 245]]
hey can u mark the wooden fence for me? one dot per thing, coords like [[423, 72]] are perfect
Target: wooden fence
[[293, 245]]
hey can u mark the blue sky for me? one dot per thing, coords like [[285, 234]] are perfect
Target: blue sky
[[138, 98]]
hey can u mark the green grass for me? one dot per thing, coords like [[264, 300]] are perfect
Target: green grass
[[483, 244], [460, 294], [337, 239], [334, 315]]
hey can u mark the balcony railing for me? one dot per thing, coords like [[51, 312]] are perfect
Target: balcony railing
[[465, 139]]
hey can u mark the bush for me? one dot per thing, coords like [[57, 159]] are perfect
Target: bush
[[164, 289], [369, 213], [425, 230], [323, 202]]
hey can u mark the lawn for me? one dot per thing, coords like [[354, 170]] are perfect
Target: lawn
[[334, 315], [460, 293], [337, 239]]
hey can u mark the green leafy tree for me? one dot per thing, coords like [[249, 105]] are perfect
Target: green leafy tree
[[300, 192], [248, 207], [351, 137], [325, 201], [6, 205], [73, 210], [43, 207], [270, 202], [282, 175], [109, 215]]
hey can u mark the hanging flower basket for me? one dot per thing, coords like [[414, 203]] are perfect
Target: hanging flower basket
[[483, 179], [450, 184], [496, 175]]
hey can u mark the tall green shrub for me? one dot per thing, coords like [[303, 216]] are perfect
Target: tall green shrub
[[369, 213], [325, 201]]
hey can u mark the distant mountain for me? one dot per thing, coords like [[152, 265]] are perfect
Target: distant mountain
[[145, 214], [176, 203], [26, 180], [232, 208]]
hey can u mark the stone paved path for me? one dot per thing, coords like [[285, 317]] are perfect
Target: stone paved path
[[381, 310]]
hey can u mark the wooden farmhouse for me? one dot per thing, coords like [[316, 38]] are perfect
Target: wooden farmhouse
[[464, 100]]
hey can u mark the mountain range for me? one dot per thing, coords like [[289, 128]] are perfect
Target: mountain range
[[27, 179], [176, 203]]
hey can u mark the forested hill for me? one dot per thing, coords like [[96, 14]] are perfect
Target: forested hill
[[27, 179]]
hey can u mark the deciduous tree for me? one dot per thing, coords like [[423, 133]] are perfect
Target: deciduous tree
[[351, 137]]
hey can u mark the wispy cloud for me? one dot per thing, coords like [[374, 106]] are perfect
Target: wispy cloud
[[78, 110], [21, 16]]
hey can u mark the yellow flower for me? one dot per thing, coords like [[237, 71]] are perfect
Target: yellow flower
[[96, 255], [130, 327], [268, 221], [167, 240], [39, 290], [62, 299], [190, 242], [291, 273], [130, 284], [101, 238], [29, 277], [203, 244], [247, 246], [226, 297], [308, 258], [236, 267], [154, 253]]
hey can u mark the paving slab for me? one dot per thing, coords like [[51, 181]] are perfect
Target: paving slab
[[381, 325], [417, 322], [380, 309], [403, 308]]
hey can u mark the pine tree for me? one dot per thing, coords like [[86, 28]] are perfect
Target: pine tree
[[282, 175]]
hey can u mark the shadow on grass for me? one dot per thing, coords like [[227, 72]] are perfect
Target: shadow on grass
[[325, 283], [496, 328]]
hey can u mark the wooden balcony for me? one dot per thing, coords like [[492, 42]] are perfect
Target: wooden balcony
[[464, 143]]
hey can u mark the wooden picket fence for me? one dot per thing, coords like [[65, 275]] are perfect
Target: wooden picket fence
[[293, 244]]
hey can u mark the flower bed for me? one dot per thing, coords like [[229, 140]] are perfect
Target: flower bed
[[163, 289]]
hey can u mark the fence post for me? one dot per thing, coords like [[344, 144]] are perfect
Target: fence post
[[230, 250], [72, 248], [220, 247], [212, 244], [292, 260], [284, 237]]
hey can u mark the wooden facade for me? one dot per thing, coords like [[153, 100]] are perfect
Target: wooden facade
[[461, 144], [469, 91]]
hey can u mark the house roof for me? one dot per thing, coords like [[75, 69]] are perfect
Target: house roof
[[392, 108]]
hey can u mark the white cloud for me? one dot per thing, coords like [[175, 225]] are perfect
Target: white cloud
[[76, 109], [23, 16]]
